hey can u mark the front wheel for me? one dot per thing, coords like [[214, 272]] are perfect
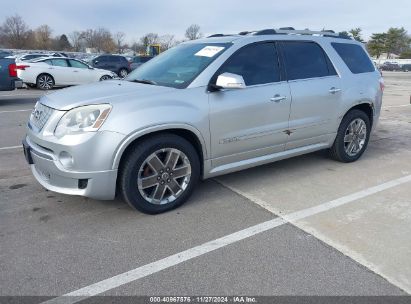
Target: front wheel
[[105, 77], [352, 137], [159, 173]]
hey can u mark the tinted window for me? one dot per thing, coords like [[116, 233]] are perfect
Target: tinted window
[[48, 61], [354, 57], [59, 62], [257, 63], [304, 60], [77, 64], [101, 59]]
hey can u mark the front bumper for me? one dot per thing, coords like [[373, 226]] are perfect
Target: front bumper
[[50, 173]]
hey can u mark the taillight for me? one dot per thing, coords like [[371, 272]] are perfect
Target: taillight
[[12, 70], [382, 86], [22, 67]]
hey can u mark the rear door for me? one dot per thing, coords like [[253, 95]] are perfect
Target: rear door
[[59, 71], [250, 122], [315, 90]]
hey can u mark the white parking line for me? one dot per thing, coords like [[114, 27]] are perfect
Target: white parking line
[[10, 148], [154, 267], [398, 106], [13, 111]]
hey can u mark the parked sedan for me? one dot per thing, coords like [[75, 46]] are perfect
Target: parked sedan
[[392, 67], [45, 73]]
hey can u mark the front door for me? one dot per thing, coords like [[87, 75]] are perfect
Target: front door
[[250, 122]]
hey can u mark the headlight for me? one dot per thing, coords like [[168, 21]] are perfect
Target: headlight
[[82, 119]]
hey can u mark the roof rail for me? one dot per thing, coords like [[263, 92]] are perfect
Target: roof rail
[[288, 31], [216, 35], [328, 33], [266, 32]]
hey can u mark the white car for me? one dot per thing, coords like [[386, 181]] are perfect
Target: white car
[[46, 73]]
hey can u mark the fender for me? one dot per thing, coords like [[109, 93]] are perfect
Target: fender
[[155, 128]]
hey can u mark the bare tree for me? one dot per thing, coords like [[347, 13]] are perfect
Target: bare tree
[[100, 39], [43, 37], [193, 32], [14, 31], [167, 41], [119, 37], [75, 39], [150, 38]]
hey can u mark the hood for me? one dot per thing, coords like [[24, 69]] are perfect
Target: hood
[[109, 91]]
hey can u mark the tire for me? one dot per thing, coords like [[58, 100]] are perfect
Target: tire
[[45, 82], [122, 73], [347, 135], [105, 77], [149, 190]]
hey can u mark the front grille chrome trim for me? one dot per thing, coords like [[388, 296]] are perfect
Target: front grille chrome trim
[[39, 117]]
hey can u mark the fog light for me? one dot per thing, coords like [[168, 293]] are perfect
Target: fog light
[[66, 159]]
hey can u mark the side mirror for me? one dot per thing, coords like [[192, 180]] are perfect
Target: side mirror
[[230, 81], [95, 62]]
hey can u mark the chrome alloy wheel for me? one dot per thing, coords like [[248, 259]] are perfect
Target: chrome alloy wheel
[[355, 137], [45, 82], [123, 73], [163, 176], [105, 77]]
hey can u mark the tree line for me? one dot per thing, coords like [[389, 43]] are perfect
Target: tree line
[[16, 34], [394, 41]]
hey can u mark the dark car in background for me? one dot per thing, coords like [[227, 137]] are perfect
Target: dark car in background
[[406, 67], [136, 61], [115, 63], [392, 67]]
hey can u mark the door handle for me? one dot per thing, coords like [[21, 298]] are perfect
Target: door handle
[[278, 98], [334, 90], [75, 71]]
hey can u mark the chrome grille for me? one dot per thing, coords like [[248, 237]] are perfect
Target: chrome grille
[[39, 116]]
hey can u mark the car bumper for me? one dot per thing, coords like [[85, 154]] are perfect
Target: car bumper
[[18, 83], [49, 172]]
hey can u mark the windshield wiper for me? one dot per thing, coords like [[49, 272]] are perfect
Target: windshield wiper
[[145, 81]]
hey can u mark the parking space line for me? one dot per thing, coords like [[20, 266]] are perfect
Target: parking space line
[[397, 106], [178, 258], [13, 111], [10, 148]]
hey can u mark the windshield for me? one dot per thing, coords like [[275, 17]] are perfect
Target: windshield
[[178, 66]]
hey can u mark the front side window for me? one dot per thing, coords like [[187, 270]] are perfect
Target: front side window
[[256, 63], [178, 66], [354, 57], [59, 62], [77, 64], [304, 60]]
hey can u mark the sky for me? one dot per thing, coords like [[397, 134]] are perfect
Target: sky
[[138, 17]]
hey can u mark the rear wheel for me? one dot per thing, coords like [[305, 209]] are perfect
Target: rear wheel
[[122, 73], [352, 137], [159, 173], [45, 82]]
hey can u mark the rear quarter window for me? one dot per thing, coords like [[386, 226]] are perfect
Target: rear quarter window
[[354, 57]]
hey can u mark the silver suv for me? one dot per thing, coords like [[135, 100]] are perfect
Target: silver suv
[[205, 108]]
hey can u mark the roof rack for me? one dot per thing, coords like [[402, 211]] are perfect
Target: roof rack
[[288, 31]]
